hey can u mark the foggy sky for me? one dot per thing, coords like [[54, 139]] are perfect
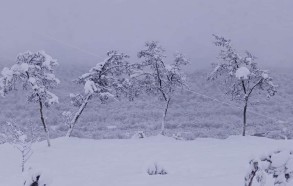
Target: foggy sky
[[81, 31]]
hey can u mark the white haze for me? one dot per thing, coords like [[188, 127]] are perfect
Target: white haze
[[73, 30]]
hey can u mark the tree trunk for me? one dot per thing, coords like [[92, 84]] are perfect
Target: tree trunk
[[44, 123], [23, 161], [164, 117], [245, 117], [249, 179], [77, 115]]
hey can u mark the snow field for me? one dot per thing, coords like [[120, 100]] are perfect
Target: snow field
[[202, 162]]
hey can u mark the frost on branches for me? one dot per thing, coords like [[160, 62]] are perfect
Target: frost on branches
[[21, 141], [35, 73], [158, 78], [107, 80], [241, 75], [279, 164]]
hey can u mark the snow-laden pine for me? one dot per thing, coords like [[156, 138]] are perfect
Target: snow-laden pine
[[34, 71], [241, 75], [158, 78], [108, 80]]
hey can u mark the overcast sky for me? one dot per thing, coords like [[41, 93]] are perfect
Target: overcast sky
[[79, 31]]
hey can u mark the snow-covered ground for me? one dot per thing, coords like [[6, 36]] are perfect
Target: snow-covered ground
[[83, 162]]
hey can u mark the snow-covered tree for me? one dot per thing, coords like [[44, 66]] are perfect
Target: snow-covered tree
[[107, 80], [21, 141], [241, 75], [279, 164], [159, 78], [35, 73]]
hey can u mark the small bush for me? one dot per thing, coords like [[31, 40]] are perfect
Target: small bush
[[156, 169], [139, 135]]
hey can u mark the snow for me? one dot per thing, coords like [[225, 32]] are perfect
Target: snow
[[24, 67], [90, 87], [265, 75], [52, 99], [202, 162], [242, 73], [16, 69], [22, 138], [168, 67], [111, 127], [264, 164], [280, 159], [20, 68], [7, 73], [107, 95], [215, 70], [33, 82], [248, 60], [52, 77], [137, 73], [48, 62], [98, 67], [71, 95], [272, 84], [86, 75], [289, 165]]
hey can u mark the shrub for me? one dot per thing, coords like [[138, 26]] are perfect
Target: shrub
[[156, 169], [279, 164], [139, 135]]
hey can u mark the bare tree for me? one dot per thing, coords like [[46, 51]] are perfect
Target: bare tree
[[241, 75], [21, 140], [34, 71], [159, 78], [107, 80]]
